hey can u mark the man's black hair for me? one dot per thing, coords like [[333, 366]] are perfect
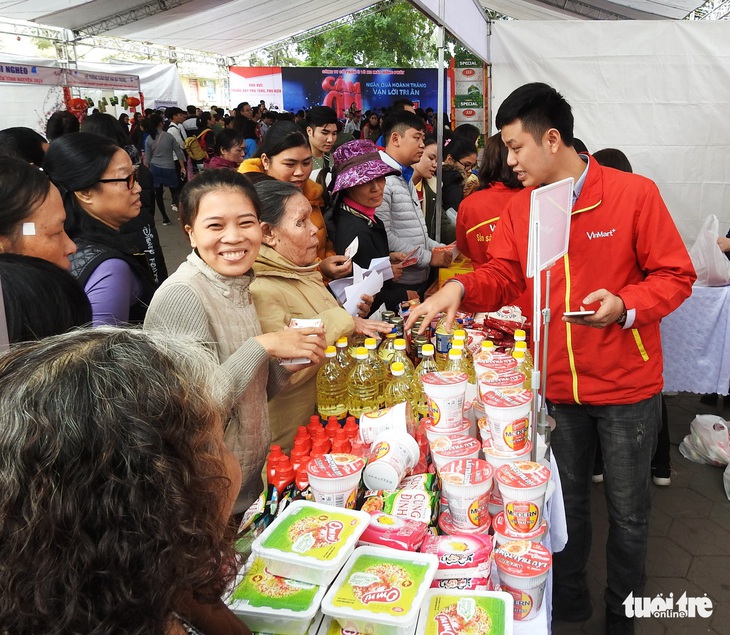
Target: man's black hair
[[539, 107], [401, 121], [320, 116]]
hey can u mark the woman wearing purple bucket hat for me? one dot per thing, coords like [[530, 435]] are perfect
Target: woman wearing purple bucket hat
[[359, 182]]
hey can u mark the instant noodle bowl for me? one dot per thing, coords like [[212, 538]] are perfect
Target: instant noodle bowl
[[334, 479], [445, 391], [491, 380], [504, 533], [446, 526], [460, 556], [310, 542], [466, 613], [450, 448], [506, 405], [496, 506], [266, 602], [497, 458], [509, 436], [373, 424], [466, 484], [433, 431], [498, 364], [523, 485], [523, 568], [380, 590], [391, 456]]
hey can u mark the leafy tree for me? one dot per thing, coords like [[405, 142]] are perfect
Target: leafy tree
[[394, 35]]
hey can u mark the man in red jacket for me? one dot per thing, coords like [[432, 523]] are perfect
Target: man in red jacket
[[627, 262]]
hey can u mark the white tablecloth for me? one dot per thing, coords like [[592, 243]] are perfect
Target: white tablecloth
[[696, 343]]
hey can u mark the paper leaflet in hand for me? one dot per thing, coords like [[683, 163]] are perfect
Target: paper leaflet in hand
[[370, 285], [411, 257], [300, 323], [352, 248], [379, 265]]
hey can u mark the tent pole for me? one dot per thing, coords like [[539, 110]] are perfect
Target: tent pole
[[440, 127]]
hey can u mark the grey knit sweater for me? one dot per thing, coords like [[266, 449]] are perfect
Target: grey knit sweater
[[218, 311]]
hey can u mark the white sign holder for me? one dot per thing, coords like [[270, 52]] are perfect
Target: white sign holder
[[550, 209]]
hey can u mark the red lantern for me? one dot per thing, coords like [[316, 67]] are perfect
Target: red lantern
[[77, 106], [133, 102]]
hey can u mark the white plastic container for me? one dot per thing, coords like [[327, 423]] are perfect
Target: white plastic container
[[445, 391], [310, 542], [380, 591], [452, 447], [523, 568], [457, 612], [509, 435], [272, 604], [460, 556], [504, 533], [373, 424], [490, 381], [433, 432], [330, 626], [508, 404], [334, 479], [392, 454], [523, 486], [497, 458], [466, 484]]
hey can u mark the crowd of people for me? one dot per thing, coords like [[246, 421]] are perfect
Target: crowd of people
[[138, 406]]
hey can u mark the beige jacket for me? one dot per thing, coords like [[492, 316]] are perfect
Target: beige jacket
[[217, 311], [282, 291]]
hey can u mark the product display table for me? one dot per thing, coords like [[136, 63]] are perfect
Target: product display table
[[696, 343]]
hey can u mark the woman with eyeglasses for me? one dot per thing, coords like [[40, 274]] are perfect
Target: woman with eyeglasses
[[460, 160], [100, 193]]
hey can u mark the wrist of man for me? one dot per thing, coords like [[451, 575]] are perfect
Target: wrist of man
[[621, 321]]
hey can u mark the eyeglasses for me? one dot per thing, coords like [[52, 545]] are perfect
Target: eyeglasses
[[467, 166], [129, 180]]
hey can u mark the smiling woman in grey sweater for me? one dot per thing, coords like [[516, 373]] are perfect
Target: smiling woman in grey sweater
[[159, 149]]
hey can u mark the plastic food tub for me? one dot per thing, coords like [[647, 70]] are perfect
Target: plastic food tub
[[380, 591], [310, 542]]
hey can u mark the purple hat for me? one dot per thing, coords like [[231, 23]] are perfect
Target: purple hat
[[358, 162]]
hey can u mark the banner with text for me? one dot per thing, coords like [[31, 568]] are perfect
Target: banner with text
[[256, 83]]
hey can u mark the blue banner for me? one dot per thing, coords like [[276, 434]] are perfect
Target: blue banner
[[367, 88]]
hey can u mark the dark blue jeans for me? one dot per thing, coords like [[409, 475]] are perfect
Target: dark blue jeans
[[628, 435]]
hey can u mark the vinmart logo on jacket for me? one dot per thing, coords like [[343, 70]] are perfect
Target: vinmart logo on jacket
[[599, 234]]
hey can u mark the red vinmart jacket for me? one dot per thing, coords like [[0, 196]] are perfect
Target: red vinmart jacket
[[622, 238]]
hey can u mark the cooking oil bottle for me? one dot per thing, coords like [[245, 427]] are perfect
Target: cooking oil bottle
[[363, 387], [380, 367], [460, 336], [387, 347], [399, 388], [427, 365], [331, 387], [522, 346], [523, 366], [344, 359], [457, 363]]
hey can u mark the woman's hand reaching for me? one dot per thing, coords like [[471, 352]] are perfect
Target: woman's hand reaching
[[335, 267], [371, 328], [292, 343]]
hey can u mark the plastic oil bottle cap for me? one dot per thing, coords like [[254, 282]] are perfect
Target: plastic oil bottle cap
[[427, 350], [460, 334], [330, 351], [455, 352], [341, 342], [397, 369], [521, 345], [520, 334], [400, 344], [370, 343], [361, 353], [487, 345]]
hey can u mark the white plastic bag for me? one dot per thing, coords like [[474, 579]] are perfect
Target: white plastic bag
[[711, 265], [726, 481], [709, 441]]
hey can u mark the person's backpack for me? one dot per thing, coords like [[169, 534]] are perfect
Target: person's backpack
[[195, 147]]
